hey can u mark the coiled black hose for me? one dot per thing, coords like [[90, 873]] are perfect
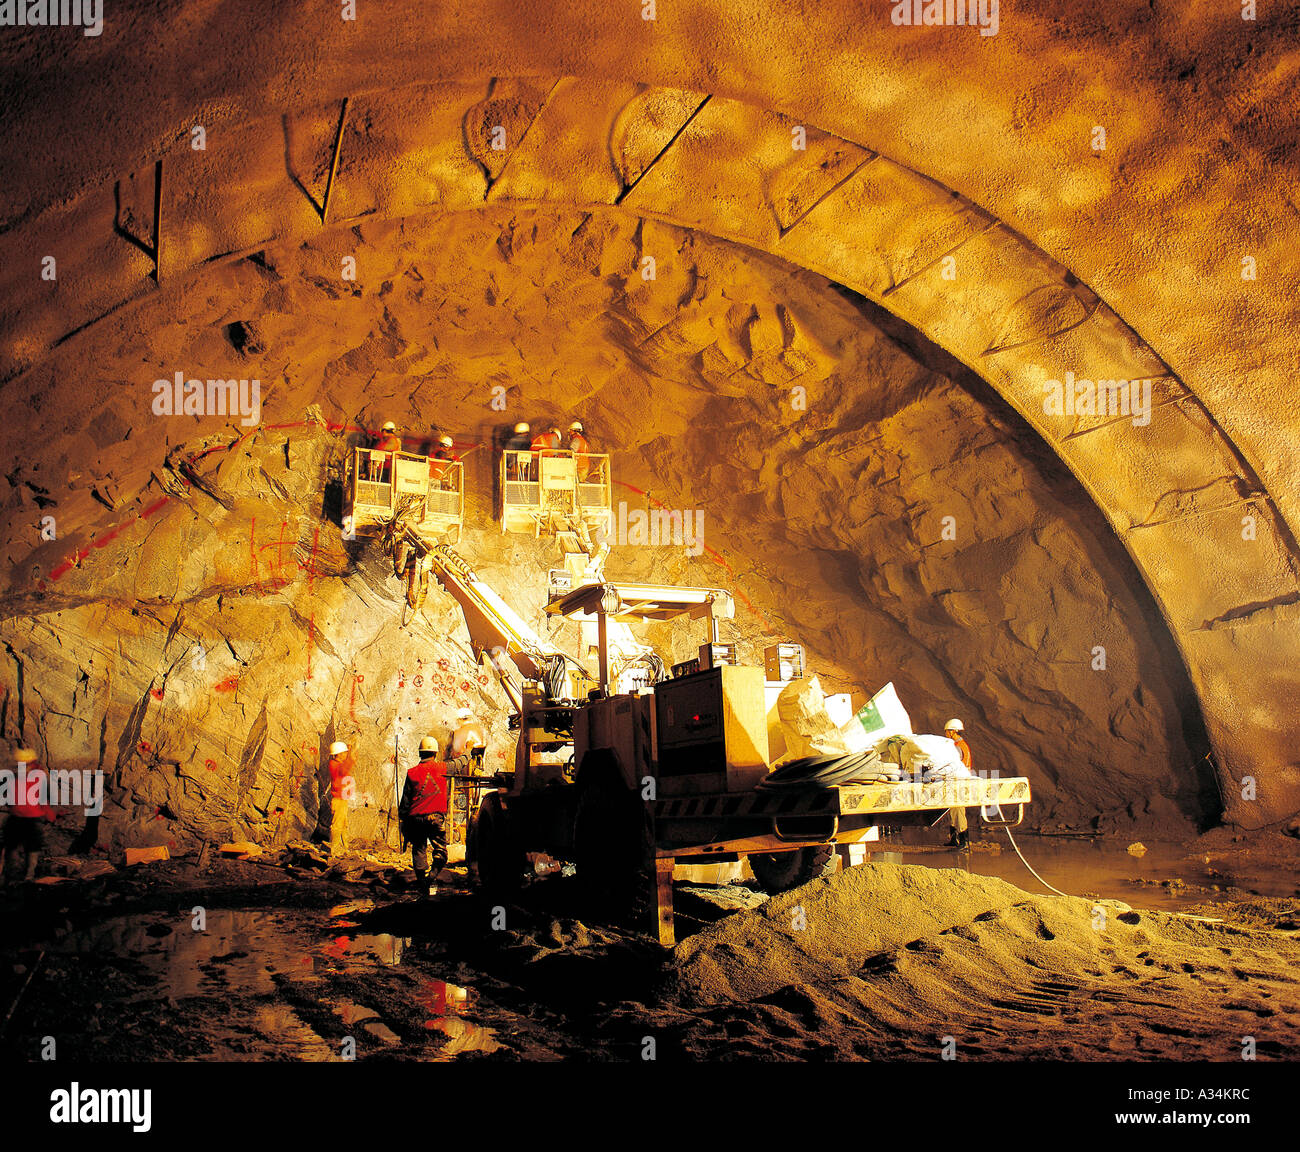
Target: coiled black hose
[[829, 771]]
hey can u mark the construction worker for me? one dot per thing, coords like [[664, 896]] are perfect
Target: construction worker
[[387, 441], [469, 735], [24, 828], [958, 837], [520, 441], [579, 447], [442, 456], [342, 788], [422, 812]]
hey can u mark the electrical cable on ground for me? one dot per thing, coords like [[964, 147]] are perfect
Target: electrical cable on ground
[[1026, 863]]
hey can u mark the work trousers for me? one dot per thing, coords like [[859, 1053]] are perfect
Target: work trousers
[[958, 818], [339, 827], [428, 839]]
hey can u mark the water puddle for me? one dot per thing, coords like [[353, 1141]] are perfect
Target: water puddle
[[1165, 877], [244, 954]]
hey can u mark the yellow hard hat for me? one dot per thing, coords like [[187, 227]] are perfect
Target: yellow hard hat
[[338, 748], [954, 725], [25, 756], [389, 426], [428, 744]]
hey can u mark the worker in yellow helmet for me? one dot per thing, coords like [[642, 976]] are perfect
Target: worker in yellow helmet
[[959, 837]]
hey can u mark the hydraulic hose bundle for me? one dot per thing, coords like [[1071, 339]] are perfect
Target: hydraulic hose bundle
[[830, 771]]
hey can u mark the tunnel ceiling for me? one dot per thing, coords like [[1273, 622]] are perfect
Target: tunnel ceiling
[[821, 521], [950, 177]]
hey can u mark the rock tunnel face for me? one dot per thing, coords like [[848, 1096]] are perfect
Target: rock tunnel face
[[783, 304]]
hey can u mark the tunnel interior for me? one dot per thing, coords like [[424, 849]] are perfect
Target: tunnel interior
[[965, 360]]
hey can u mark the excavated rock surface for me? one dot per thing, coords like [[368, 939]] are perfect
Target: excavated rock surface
[[204, 642]]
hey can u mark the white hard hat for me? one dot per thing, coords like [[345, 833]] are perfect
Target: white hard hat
[[445, 441], [954, 725], [576, 426], [25, 756], [464, 714], [522, 426], [428, 744], [338, 748], [389, 426]]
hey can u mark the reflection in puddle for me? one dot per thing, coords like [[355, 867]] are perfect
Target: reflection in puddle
[[446, 1004], [252, 953]]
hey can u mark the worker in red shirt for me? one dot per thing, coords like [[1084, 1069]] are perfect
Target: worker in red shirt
[[959, 837], [343, 787], [388, 441], [24, 828], [579, 446], [422, 812], [443, 455]]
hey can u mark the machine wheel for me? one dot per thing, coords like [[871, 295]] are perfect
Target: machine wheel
[[781, 871], [611, 844], [491, 849]]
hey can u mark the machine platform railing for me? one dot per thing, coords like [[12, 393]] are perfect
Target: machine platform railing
[[552, 488], [378, 482]]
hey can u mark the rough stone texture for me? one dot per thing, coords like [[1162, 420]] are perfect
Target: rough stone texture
[[827, 521], [922, 143]]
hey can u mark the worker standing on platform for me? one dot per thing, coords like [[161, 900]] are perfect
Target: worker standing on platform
[[959, 836], [579, 446], [438, 462], [422, 811], [520, 441], [388, 441], [343, 787], [24, 827]]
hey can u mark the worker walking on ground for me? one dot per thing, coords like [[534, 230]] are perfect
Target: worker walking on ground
[[579, 446], [24, 828], [520, 441], [386, 442], [959, 836], [422, 812], [343, 787]]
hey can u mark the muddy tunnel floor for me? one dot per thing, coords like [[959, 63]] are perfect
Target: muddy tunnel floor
[[243, 960]]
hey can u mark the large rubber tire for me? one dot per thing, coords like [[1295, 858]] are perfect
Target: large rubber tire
[[492, 850], [781, 871], [611, 845]]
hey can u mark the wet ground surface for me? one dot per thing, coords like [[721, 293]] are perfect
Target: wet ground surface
[[246, 963]]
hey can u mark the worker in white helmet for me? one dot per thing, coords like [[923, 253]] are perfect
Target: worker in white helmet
[[381, 451], [343, 788], [443, 455], [520, 441], [469, 737], [959, 836], [579, 446], [422, 812]]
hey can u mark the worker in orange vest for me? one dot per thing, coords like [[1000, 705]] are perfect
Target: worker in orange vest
[[579, 446], [959, 837], [343, 787], [442, 456], [386, 442], [24, 828]]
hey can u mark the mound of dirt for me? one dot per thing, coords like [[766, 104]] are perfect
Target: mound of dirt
[[890, 958]]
